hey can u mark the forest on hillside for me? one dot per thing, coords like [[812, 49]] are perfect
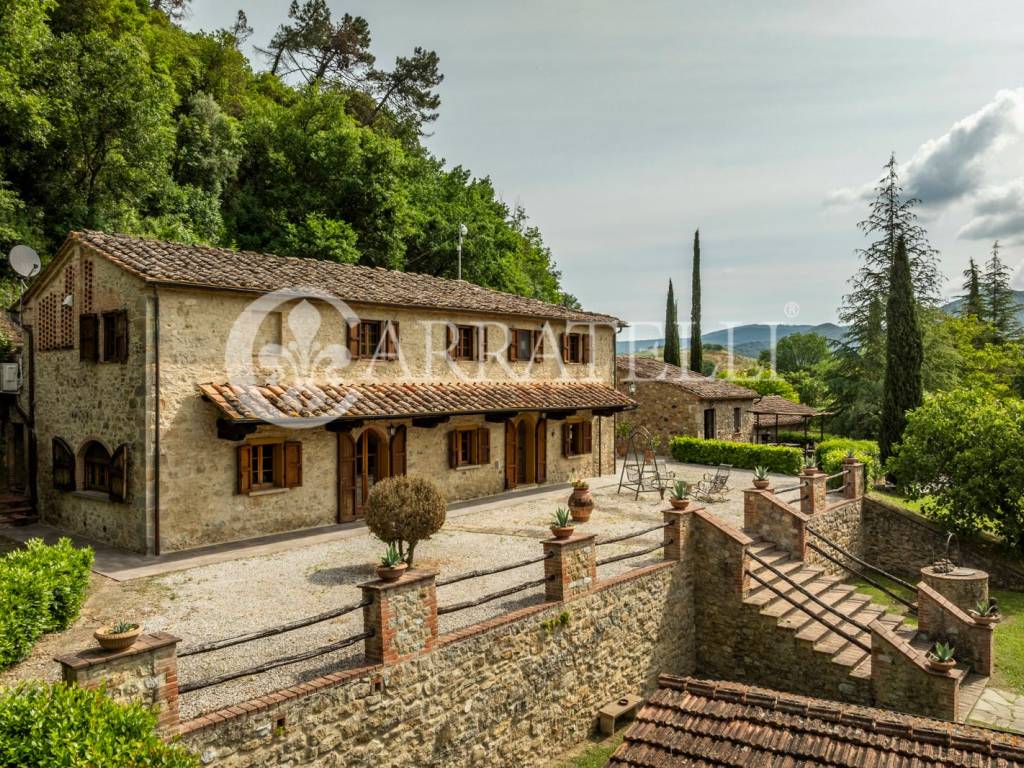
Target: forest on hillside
[[113, 117]]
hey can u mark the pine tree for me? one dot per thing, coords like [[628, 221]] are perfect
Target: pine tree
[[1000, 304], [972, 306], [904, 354], [670, 353], [696, 348]]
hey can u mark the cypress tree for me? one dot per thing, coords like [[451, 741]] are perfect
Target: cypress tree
[[903, 356], [1000, 304], [670, 354], [696, 348], [972, 306]]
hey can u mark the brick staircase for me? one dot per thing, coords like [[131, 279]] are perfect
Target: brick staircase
[[834, 660], [16, 509]]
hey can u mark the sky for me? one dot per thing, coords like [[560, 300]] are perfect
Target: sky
[[623, 127]]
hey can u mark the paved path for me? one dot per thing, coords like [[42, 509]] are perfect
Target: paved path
[[999, 709]]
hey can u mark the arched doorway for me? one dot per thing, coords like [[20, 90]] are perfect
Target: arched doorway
[[362, 463], [371, 465]]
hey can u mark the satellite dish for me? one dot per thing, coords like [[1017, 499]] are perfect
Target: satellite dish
[[24, 261]]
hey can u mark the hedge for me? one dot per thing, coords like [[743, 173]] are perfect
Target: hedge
[[778, 459], [64, 726], [829, 455], [41, 590]]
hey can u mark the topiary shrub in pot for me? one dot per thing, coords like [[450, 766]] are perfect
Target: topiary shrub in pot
[[404, 511]]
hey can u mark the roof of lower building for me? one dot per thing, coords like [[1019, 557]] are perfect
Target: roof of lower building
[[690, 722], [775, 404], [704, 387], [376, 400], [202, 266]]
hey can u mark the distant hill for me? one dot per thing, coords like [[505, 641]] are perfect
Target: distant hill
[[747, 340], [953, 307]]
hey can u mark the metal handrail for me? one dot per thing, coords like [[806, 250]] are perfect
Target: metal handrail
[[810, 595], [800, 607], [910, 606], [633, 535], [631, 555], [864, 563]]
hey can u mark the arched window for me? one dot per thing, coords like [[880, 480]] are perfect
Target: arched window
[[63, 466], [96, 475]]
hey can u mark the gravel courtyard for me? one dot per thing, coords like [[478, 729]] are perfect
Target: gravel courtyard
[[242, 595]]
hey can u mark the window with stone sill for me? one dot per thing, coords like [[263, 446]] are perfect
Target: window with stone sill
[[577, 438], [469, 447]]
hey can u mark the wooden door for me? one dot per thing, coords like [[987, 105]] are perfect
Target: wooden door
[[541, 450], [370, 466], [346, 477], [510, 455], [709, 424], [398, 453]]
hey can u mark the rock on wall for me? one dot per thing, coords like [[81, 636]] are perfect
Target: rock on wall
[[840, 523], [509, 692]]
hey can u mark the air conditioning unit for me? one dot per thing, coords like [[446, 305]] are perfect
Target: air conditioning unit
[[10, 377]]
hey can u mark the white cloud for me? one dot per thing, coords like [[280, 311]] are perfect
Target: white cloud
[[952, 166], [998, 213]]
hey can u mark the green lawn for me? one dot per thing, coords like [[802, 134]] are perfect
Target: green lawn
[[901, 501], [597, 754], [1009, 640]]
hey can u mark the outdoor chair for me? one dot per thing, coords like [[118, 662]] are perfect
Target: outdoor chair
[[713, 487]]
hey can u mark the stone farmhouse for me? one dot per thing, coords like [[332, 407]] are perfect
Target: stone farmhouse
[[180, 396], [675, 401]]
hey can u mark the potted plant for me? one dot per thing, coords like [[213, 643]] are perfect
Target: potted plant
[[986, 613], [561, 527], [761, 481], [940, 657], [391, 565], [850, 457], [118, 636], [581, 502], [622, 430], [810, 467], [651, 450], [680, 495]]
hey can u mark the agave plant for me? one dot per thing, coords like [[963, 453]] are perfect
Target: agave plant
[[943, 651], [809, 461], [991, 608], [760, 472], [680, 489], [391, 557], [561, 518], [121, 626]]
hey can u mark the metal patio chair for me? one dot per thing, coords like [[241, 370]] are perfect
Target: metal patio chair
[[713, 487]]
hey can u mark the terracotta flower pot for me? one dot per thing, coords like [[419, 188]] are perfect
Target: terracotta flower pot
[[678, 503], [762, 484], [985, 621], [810, 470], [562, 532], [648, 455], [117, 641], [620, 448], [391, 573], [581, 503], [940, 666]]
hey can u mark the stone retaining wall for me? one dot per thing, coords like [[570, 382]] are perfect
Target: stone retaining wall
[[841, 523]]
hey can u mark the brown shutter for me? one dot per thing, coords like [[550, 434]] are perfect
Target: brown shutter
[[353, 341], [452, 354], [63, 466], [292, 464], [453, 448], [538, 346], [88, 338], [391, 345], [244, 454], [587, 436], [482, 336], [585, 344], [541, 451], [483, 446], [398, 452], [566, 440], [119, 474], [121, 337], [513, 348], [565, 347], [346, 477], [510, 455]]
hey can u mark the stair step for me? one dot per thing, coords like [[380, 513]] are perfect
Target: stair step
[[781, 606], [792, 617]]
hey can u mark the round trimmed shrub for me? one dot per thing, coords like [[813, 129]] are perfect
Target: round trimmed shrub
[[64, 726], [405, 510]]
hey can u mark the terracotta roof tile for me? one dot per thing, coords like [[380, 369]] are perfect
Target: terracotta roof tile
[[774, 404], [406, 399], [690, 722], [158, 261], [704, 387]]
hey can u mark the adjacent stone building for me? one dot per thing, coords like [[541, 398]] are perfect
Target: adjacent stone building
[[674, 401], [185, 395]]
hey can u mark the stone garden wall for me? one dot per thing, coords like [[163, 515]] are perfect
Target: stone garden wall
[[841, 522]]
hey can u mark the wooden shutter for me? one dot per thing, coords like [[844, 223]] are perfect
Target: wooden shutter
[[587, 437], [453, 448], [585, 347], [63, 466], [89, 338], [346, 477], [353, 341], [452, 353], [541, 450], [483, 446], [292, 464], [119, 473], [481, 333], [398, 452], [510, 454], [244, 454], [391, 336], [565, 347], [513, 348], [121, 337], [566, 440], [537, 342]]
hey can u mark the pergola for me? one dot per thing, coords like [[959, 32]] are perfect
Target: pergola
[[779, 412]]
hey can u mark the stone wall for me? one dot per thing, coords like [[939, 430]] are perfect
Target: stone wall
[[903, 542], [514, 691], [902, 680], [840, 523]]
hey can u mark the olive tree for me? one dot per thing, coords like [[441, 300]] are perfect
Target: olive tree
[[403, 511], [963, 452]]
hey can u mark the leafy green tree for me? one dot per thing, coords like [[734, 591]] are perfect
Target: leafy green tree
[[798, 352], [904, 354], [854, 380], [973, 305], [696, 350], [1001, 305], [406, 93], [811, 387], [963, 452], [767, 384], [671, 354]]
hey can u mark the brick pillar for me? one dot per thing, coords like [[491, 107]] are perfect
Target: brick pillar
[[146, 673], [402, 615], [854, 481], [940, 618], [677, 532], [570, 566], [813, 494]]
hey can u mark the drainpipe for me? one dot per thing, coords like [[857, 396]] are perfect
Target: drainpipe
[[156, 421]]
